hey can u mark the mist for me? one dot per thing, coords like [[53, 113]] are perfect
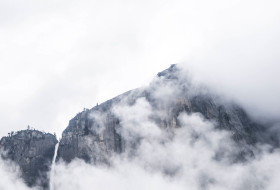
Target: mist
[[60, 57], [10, 176], [195, 155], [184, 161]]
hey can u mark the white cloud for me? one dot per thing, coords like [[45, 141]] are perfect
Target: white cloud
[[9, 174], [185, 160], [58, 57]]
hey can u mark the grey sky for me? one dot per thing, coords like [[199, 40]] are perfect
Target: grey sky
[[58, 57]]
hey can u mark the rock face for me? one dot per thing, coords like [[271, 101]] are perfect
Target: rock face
[[33, 151], [94, 135]]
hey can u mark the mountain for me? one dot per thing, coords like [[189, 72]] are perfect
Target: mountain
[[33, 151], [95, 135], [94, 141]]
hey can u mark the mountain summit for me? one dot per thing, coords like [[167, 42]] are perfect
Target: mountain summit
[[94, 135]]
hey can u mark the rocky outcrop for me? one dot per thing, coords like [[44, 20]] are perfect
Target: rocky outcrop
[[33, 151], [94, 135]]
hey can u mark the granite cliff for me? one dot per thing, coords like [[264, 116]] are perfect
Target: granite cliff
[[94, 135], [33, 151]]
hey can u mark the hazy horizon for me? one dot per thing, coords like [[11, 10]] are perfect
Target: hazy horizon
[[59, 57]]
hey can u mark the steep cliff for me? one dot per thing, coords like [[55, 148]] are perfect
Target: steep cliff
[[92, 135], [95, 134], [33, 151]]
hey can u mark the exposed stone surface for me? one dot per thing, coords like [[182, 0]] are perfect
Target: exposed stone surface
[[33, 151], [94, 135]]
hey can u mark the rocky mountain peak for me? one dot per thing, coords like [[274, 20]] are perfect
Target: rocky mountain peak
[[33, 151]]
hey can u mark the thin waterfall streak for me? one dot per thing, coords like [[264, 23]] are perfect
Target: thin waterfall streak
[[53, 167]]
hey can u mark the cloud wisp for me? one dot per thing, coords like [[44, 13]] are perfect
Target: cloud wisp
[[10, 176], [68, 55], [185, 160], [195, 155]]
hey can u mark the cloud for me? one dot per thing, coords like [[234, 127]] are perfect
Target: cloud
[[187, 159], [9, 174], [58, 57], [195, 155]]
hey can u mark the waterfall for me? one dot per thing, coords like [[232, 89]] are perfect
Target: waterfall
[[53, 167]]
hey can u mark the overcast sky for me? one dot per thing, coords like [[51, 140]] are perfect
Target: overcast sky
[[57, 57]]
